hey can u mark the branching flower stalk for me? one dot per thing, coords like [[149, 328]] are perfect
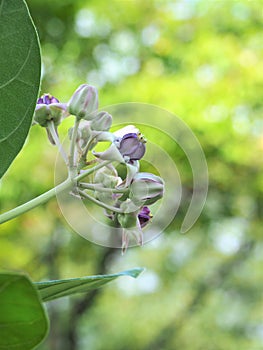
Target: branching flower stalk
[[43, 198], [71, 159], [125, 200]]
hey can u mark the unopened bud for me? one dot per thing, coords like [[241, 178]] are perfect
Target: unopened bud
[[129, 217], [84, 102], [131, 224], [127, 220], [102, 122], [146, 188], [84, 133], [107, 178]]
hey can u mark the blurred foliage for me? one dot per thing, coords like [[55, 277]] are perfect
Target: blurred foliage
[[202, 60]]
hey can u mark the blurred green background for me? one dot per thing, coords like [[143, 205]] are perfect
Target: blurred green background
[[201, 60]]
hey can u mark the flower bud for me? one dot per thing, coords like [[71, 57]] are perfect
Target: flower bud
[[102, 122], [107, 177], [84, 133], [84, 102], [128, 220], [48, 109], [146, 188], [132, 145]]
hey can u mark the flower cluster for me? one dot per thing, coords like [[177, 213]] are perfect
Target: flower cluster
[[126, 199]]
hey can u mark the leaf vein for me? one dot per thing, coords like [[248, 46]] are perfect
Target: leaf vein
[[21, 68]]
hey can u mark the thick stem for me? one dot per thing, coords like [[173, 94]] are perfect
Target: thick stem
[[21, 209], [67, 184]]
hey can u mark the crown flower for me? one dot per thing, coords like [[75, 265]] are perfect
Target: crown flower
[[132, 146], [104, 166], [49, 109]]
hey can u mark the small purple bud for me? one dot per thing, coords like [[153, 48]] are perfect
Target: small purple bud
[[144, 216], [84, 102], [132, 145]]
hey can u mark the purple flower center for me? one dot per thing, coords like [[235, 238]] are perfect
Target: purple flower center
[[144, 216], [47, 99], [133, 146]]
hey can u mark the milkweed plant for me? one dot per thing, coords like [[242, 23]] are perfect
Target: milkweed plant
[[126, 201], [92, 172]]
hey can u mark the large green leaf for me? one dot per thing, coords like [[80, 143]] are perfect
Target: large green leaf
[[20, 66], [60, 288], [23, 322]]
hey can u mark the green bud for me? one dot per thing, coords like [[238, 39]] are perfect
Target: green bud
[[84, 102], [146, 188], [85, 132], [127, 220], [102, 122], [107, 179]]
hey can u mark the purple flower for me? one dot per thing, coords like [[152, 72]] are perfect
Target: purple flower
[[132, 145], [47, 99], [144, 216], [49, 109], [128, 149]]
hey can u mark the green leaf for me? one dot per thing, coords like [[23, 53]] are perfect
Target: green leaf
[[23, 322], [20, 66], [60, 288]]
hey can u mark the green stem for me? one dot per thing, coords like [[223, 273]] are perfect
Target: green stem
[[101, 204], [102, 189], [72, 166], [21, 209], [67, 184], [53, 133], [92, 170]]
